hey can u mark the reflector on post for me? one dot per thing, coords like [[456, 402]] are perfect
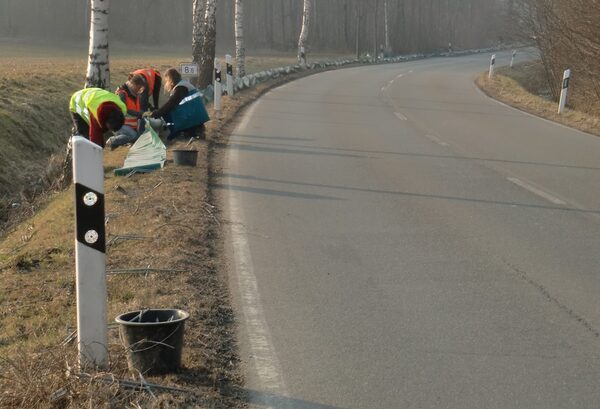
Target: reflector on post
[[229, 62], [218, 85]]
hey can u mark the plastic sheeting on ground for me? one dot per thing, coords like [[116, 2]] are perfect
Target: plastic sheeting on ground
[[147, 153]]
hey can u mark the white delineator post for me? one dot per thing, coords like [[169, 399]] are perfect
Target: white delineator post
[[90, 253], [218, 85], [492, 65], [564, 93], [512, 59], [229, 68]]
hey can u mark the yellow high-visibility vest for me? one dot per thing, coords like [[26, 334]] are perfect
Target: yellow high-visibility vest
[[89, 99]]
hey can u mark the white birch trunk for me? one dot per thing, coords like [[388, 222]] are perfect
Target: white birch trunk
[[375, 30], [206, 56], [197, 23], [98, 72], [357, 38], [240, 49], [387, 29], [304, 32]]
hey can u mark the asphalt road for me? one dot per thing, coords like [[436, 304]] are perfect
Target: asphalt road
[[398, 240]]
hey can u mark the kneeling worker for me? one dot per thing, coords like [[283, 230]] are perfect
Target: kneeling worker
[[153, 82], [96, 111], [130, 96], [184, 110]]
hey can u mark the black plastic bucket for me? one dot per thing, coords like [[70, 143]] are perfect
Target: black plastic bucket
[[154, 339], [184, 157]]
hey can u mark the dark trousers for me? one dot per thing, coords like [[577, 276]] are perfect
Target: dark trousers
[[80, 127], [145, 103]]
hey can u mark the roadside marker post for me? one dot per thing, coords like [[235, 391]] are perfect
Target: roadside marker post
[[90, 253], [218, 86], [512, 60], [229, 62], [492, 65], [564, 93]]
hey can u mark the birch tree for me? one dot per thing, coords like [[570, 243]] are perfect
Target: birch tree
[[240, 49], [204, 52], [98, 72], [357, 33], [197, 29], [304, 32], [387, 28], [375, 30]]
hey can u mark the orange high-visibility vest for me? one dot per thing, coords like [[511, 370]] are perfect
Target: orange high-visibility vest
[[133, 104], [150, 75]]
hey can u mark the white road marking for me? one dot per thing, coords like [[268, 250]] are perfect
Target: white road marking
[[400, 116], [399, 76], [389, 84], [537, 191], [263, 354], [436, 140]]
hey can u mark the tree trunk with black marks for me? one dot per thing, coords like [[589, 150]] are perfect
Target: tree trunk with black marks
[[304, 32], [240, 49], [197, 26], [98, 72], [387, 28], [204, 50]]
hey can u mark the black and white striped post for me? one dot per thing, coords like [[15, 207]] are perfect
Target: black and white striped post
[[492, 65], [90, 253], [564, 93], [229, 62], [512, 59], [218, 86]]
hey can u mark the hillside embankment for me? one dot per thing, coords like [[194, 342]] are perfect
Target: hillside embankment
[[36, 84], [163, 251]]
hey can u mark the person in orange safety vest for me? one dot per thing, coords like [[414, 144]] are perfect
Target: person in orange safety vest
[[153, 81], [129, 93]]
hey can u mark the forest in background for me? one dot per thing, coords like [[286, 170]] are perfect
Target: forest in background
[[337, 25]]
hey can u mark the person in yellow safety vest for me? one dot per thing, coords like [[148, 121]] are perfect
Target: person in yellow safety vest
[[129, 93], [96, 111]]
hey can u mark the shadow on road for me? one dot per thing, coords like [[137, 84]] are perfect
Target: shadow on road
[[426, 155], [263, 191], [252, 148], [396, 193], [265, 399]]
